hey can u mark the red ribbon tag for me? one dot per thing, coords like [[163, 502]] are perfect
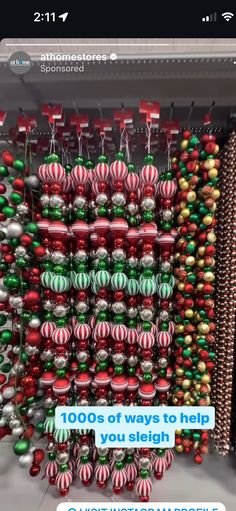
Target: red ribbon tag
[[52, 111], [151, 110], [124, 118], [79, 121]]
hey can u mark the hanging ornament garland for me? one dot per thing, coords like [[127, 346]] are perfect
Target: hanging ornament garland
[[197, 172], [225, 301], [20, 298]]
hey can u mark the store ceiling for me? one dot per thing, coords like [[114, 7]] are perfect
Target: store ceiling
[[182, 80]]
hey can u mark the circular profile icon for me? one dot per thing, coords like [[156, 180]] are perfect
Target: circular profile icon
[[19, 63]]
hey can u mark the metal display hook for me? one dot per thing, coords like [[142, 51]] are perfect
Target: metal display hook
[[190, 113]]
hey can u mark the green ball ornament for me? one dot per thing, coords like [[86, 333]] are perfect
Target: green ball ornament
[[6, 336], [120, 156], [193, 141], [21, 447], [63, 467], [119, 370], [21, 262], [45, 212], [118, 211], [147, 377], [119, 319], [50, 412], [19, 165], [79, 160], [90, 164], [102, 211], [3, 171], [81, 318], [119, 465], [149, 159], [166, 226], [11, 281], [61, 373], [51, 455], [131, 167], [24, 357], [102, 159], [5, 368], [146, 326], [56, 214], [133, 221], [131, 371], [14, 242], [61, 322], [82, 367], [3, 202], [54, 158], [32, 228], [48, 365], [68, 168], [148, 216], [16, 198], [132, 323], [102, 365], [8, 211], [80, 214]]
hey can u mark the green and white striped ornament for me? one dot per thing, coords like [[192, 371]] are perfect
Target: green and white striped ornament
[[102, 278], [61, 435], [119, 281], [46, 278], [81, 281], [148, 287], [165, 291], [132, 288], [49, 425], [60, 284]]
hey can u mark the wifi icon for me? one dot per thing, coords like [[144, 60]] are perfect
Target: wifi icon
[[227, 16]]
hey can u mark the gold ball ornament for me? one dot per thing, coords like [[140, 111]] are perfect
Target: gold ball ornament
[[209, 276], [179, 448], [213, 173], [184, 144], [205, 378], [211, 237], [190, 261], [207, 220], [203, 328], [186, 384], [191, 196]]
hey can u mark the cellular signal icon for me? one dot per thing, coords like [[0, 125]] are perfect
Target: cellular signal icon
[[210, 17]]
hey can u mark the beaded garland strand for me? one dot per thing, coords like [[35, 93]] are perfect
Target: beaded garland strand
[[197, 177], [20, 299], [225, 300]]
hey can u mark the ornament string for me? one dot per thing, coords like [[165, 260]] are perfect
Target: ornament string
[[148, 133], [127, 147]]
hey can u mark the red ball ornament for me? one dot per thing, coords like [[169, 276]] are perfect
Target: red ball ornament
[[38, 456], [33, 338], [198, 459], [34, 470], [7, 158], [32, 298], [40, 251]]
